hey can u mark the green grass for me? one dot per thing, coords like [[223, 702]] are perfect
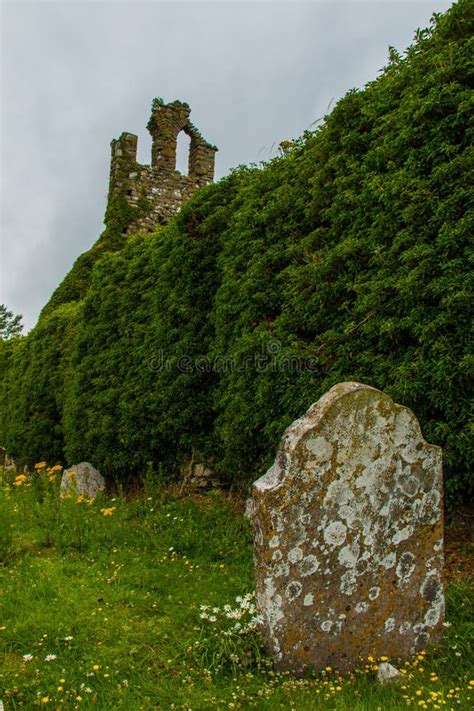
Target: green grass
[[116, 599]]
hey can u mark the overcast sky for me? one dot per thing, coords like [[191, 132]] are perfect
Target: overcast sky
[[77, 74]]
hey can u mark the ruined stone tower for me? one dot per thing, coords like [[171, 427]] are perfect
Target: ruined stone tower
[[156, 192]]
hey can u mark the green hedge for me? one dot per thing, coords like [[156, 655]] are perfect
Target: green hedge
[[345, 258], [35, 371]]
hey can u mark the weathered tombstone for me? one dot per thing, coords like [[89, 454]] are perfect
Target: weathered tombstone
[[82, 479], [348, 531]]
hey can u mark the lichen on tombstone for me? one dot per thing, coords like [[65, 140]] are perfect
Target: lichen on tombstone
[[348, 535]]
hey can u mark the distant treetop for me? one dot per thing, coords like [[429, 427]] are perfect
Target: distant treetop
[[10, 325]]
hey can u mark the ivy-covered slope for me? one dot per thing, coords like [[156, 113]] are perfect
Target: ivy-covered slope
[[345, 258], [75, 285]]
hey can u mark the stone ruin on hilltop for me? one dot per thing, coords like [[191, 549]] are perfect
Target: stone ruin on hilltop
[[159, 186]]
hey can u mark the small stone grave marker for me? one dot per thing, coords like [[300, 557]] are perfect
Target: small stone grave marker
[[82, 479], [348, 526]]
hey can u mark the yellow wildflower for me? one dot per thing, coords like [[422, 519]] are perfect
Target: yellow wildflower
[[72, 475], [56, 468], [384, 659], [40, 465], [20, 479], [108, 512], [45, 699]]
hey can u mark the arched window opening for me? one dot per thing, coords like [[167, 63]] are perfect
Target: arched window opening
[[182, 153]]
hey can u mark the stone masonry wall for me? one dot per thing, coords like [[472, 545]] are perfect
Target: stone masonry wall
[[159, 189]]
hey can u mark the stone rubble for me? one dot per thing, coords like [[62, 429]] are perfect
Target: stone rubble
[[387, 672]]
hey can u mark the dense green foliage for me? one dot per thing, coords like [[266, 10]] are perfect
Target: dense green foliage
[[345, 258], [33, 389], [76, 283]]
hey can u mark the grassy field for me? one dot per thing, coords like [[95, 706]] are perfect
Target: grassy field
[[130, 602]]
